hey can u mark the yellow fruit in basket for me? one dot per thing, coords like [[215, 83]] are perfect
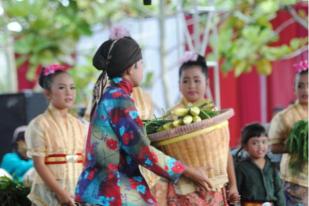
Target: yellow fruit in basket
[[160, 129], [177, 122], [187, 119], [167, 126], [179, 112], [195, 111], [197, 119]]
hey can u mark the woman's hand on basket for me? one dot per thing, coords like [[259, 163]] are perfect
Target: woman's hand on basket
[[198, 176]]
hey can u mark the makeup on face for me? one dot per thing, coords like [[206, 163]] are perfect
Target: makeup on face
[[193, 84]]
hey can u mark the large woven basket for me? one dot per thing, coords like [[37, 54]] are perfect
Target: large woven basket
[[203, 144]]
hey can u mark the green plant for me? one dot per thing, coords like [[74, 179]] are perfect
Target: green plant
[[13, 193], [52, 29], [297, 146], [44, 40], [246, 36]]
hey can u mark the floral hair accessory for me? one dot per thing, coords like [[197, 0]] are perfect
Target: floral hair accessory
[[301, 66], [50, 69], [188, 56], [118, 32]]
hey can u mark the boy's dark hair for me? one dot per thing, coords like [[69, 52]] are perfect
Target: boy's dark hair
[[248, 132], [199, 62], [252, 130]]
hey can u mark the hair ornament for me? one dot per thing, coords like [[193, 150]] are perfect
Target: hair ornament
[[301, 66], [118, 32], [50, 69], [188, 56]]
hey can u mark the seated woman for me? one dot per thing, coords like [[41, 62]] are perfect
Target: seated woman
[[16, 163]]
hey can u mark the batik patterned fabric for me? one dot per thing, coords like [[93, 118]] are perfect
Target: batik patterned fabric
[[117, 143]]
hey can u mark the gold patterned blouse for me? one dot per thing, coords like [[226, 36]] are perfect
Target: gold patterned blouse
[[60, 140], [143, 103], [280, 128]]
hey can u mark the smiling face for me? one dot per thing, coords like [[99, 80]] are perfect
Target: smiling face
[[257, 147], [62, 91], [301, 88], [193, 84]]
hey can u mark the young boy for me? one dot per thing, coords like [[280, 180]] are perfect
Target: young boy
[[257, 179]]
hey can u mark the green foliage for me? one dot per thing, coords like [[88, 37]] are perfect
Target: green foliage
[[13, 193], [51, 30], [246, 37]]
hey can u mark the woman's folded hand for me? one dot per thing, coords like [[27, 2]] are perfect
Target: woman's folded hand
[[198, 176]]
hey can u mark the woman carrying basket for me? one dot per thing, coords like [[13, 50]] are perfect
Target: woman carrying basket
[[193, 83], [117, 143]]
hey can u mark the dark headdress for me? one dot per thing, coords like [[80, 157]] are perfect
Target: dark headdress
[[113, 57]]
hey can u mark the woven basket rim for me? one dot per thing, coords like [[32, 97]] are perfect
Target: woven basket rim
[[224, 114]]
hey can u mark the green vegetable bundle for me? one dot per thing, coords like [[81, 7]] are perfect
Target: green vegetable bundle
[[182, 116], [153, 126], [297, 145], [13, 193]]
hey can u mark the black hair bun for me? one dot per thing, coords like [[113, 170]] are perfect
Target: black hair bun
[[115, 56], [201, 60], [42, 78], [100, 61]]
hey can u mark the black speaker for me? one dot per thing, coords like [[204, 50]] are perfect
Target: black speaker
[[16, 110]]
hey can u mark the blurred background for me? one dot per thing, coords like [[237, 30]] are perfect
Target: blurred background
[[250, 47]]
